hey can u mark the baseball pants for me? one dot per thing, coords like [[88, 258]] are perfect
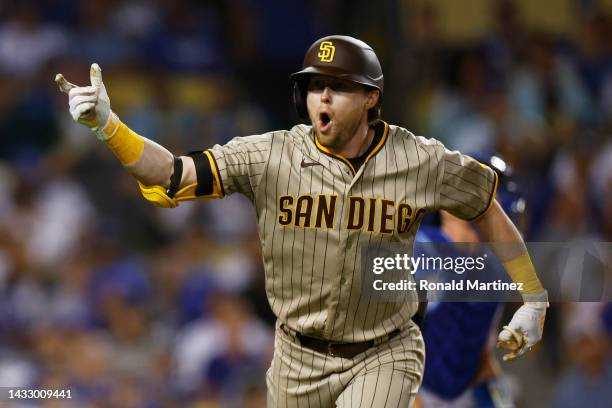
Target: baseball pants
[[386, 375]]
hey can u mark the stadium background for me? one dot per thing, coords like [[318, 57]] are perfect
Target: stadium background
[[133, 306]]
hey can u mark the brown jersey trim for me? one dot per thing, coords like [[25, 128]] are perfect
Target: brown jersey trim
[[380, 144], [331, 154], [491, 197], [218, 184]]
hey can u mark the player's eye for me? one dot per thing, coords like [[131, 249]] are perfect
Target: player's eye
[[316, 85], [338, 86]]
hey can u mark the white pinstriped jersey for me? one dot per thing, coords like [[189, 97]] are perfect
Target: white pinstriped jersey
[[315, 212]]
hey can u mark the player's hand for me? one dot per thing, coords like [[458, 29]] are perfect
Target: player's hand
[[524, 330], [89, 105]]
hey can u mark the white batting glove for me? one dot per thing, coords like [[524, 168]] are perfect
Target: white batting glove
[[89, 105], [525, 329]]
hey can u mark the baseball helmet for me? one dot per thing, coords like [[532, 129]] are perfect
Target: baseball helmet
[[341, 57], [508, 192]]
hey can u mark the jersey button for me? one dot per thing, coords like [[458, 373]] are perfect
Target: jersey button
[[342, 280]]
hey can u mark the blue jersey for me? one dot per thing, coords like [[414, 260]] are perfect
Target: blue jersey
[[455, 334]]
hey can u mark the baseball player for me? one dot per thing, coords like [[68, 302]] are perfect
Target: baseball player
[[322, 192]]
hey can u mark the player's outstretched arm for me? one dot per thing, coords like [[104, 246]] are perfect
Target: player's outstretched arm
[[160, 174], [525, 328]]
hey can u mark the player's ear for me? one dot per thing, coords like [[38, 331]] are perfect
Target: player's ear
[[372, 98]]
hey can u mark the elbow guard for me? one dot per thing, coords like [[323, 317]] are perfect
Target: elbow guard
[[208, 185], [159, 196]]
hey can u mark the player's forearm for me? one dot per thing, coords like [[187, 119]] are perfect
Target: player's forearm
[[149, 162], [525, 328], [507, 244], [154, 166], [497, 229]]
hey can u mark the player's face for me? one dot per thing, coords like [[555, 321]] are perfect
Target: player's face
[[337, 108]]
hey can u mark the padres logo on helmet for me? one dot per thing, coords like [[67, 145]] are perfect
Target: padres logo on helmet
[[327, 51]]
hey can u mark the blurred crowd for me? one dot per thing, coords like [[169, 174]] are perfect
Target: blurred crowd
[[134, 306]]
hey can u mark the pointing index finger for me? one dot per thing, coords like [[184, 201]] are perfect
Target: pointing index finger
[[95, 75]]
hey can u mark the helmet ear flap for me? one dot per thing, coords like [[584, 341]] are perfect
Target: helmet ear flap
[[299, 101]]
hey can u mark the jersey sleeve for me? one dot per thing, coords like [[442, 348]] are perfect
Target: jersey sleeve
[[467, 187], [235, 167]]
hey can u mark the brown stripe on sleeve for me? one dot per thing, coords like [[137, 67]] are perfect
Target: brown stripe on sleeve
[[218, 182]]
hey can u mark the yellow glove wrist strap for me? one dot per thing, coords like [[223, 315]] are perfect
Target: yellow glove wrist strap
[[521, 270], [126, 144]]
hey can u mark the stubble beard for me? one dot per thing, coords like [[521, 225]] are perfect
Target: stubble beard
[[339, 136]]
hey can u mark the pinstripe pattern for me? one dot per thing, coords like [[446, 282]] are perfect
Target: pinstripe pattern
[[312, 275], [313, 279]]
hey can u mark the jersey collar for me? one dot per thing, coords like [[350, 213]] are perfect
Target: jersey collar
[[377, 148]]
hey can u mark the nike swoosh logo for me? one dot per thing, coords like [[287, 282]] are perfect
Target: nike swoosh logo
[[309, 164]]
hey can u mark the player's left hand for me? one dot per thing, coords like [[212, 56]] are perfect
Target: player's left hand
[[524, 330]]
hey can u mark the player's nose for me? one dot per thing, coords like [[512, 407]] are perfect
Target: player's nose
[[326, 94]]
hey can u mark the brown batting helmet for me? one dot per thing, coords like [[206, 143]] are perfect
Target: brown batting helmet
[[341, 57]]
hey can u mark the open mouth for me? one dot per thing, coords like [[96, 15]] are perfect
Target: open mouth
[[324, 122]]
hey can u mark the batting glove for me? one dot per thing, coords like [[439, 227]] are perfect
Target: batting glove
[[525, 329], [89, 105]]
